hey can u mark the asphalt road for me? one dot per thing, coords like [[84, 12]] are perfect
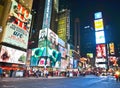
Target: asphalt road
[[76, 82]]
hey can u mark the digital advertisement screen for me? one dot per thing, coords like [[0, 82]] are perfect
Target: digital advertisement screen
[[18, 26], [64, 64], [61, 42], [111, 49], [98, 15], [101, 50], [39, 56], [11, 55], [75, 63], [62, 28], [90, 55], [98, 24], [100, 37], [63, 51], [48, 38]]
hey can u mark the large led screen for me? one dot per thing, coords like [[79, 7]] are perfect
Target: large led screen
[[39, 55], [11, 55], [18, 26], [75, 63], [47, 38], [98, 15], [100, 37], [63, 51], [98, 24], [101, 51], [64, 64], [62, 27], [111, 49]]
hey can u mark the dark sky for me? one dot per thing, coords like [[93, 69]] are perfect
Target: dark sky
[[85, 9]]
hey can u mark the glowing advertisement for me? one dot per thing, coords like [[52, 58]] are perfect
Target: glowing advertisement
[[71, 62], [61, 42], [100, 51], [39, 55], [62, 28], [18, 26], [111, 49], [98, 15], [47, 14], [10, 55], [90, 55], [63, 51], [100, 62], [100, 38], [48, 38], [98, 24], [74, 63], [112, 60], [64, 64]]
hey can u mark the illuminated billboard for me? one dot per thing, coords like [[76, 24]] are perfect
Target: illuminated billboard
[[100, 51], [11, 55], [64, 64], [90, 55], [98, 24], [47, 38], [39, 56], [98, 15], [62, 28], [63, 51], [100, 37], [18, 26], [111, 49]]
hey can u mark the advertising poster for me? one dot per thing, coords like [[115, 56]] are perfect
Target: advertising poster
[[62, 28], [111, 49], [98, 24], [39, 55], [10, 55], [100, 37], [63, 51], [75, 63], [98, 15], [18, 26], [64, 64], [101, 51], [47, 38]]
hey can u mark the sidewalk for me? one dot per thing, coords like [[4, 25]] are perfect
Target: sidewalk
[[27, 78]]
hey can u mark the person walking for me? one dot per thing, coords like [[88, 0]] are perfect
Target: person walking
[[1, 72]]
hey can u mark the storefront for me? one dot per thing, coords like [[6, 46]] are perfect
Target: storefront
[[12, 70]]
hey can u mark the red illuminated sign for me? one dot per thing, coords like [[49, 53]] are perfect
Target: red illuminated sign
[[101, 51]]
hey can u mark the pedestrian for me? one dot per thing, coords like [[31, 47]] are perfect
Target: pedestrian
[[1, 72]]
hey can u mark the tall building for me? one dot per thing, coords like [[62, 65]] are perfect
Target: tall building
[[88, 43], [64, 25], [39, 19], [76, 35], [54, 18], [15, 22], [64, 4]]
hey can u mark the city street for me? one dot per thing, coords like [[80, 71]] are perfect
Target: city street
[[75, 82]]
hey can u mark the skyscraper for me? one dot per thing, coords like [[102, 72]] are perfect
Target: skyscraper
[[38, 10], [76, 35]]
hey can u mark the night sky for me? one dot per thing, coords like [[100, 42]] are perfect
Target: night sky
[[85, 9]]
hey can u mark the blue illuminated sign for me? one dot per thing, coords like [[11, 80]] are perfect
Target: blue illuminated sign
[[98, 15]]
